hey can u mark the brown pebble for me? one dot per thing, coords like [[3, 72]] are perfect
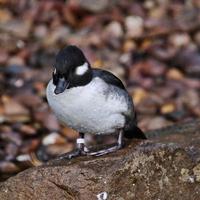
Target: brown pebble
[[8, 167], [70, 133], [27, 129], [58, 149]]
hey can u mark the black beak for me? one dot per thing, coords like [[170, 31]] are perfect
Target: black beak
[[61, 85]]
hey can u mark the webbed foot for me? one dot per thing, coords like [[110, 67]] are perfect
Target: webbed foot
[[72, 154]]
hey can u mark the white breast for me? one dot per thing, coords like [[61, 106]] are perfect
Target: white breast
[[95, 108]]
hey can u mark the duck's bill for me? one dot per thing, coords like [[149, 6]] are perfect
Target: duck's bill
[[61, 85]]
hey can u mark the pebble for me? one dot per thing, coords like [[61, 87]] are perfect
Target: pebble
[[134, 26], [167, 108], [58, 149], [3, 56], [40, 31], [19, 28], [95, 5], [197, 38], [179, 39], [57, 35], [11, 137], [175, 74], [53, 138], [16, 60], [129, 45], [114, 29], [12, 107], [139, 95], [29, 145], [27, 129], [155, 123], [5, 15], [70, 134], [153, 68], [8, 167]]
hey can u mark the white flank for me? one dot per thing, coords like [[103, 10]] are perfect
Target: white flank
[[80, 70], [89, 109]]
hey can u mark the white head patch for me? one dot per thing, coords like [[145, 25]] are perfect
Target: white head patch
[[80, 70]]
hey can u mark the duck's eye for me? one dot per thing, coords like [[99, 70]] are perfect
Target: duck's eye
[[55, 77], [82, 69]]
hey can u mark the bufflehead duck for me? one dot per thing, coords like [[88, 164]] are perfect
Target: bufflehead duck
[[90, 101]]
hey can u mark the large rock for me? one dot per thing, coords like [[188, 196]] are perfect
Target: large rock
[[143, 170]]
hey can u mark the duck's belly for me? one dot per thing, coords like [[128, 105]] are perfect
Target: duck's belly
[[89, 110]]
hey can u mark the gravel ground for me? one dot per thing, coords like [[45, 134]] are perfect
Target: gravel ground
[[153, 46]]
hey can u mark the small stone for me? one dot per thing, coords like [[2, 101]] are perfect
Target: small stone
[[114, 29], [197, 38], [8, 167], [156, 12], [23, 158], [5, 15], [16, 60], [51, 122], [176, 115], [175, 74], [19, 28], [134, 26], [167, 108], [3, 56], [58, 149], [149, 4], [95, 5], [40, 31], [190, 98], [27, 129], [179, 39], [47, 119], [11, 137], [53, 138], [139, 95], [28, 99], [157, 122], [58, 35], [129, 45], [70, 134], [11, 151], [29, 146], [147, 107], [12, 107], [152, 67], [192, 83], [185, 177], [196, 171]]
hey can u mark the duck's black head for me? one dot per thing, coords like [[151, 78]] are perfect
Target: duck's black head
[[71, 69]]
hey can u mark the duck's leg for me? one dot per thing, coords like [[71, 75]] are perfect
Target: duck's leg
[[80, 143], [119, 145]]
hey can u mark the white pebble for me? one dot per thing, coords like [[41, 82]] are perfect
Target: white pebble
[[50, 139], [102, 196], [134, 26]]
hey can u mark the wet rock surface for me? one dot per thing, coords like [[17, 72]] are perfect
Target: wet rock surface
[[166, 167]]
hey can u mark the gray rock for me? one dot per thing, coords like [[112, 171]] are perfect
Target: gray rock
[[95, 5], [156, 169]]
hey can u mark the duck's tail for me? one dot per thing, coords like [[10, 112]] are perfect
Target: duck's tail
[[134, 132]]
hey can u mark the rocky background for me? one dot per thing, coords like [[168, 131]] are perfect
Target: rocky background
[[152, 45]]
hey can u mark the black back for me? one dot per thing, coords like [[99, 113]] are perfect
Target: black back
[[108, 77]]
